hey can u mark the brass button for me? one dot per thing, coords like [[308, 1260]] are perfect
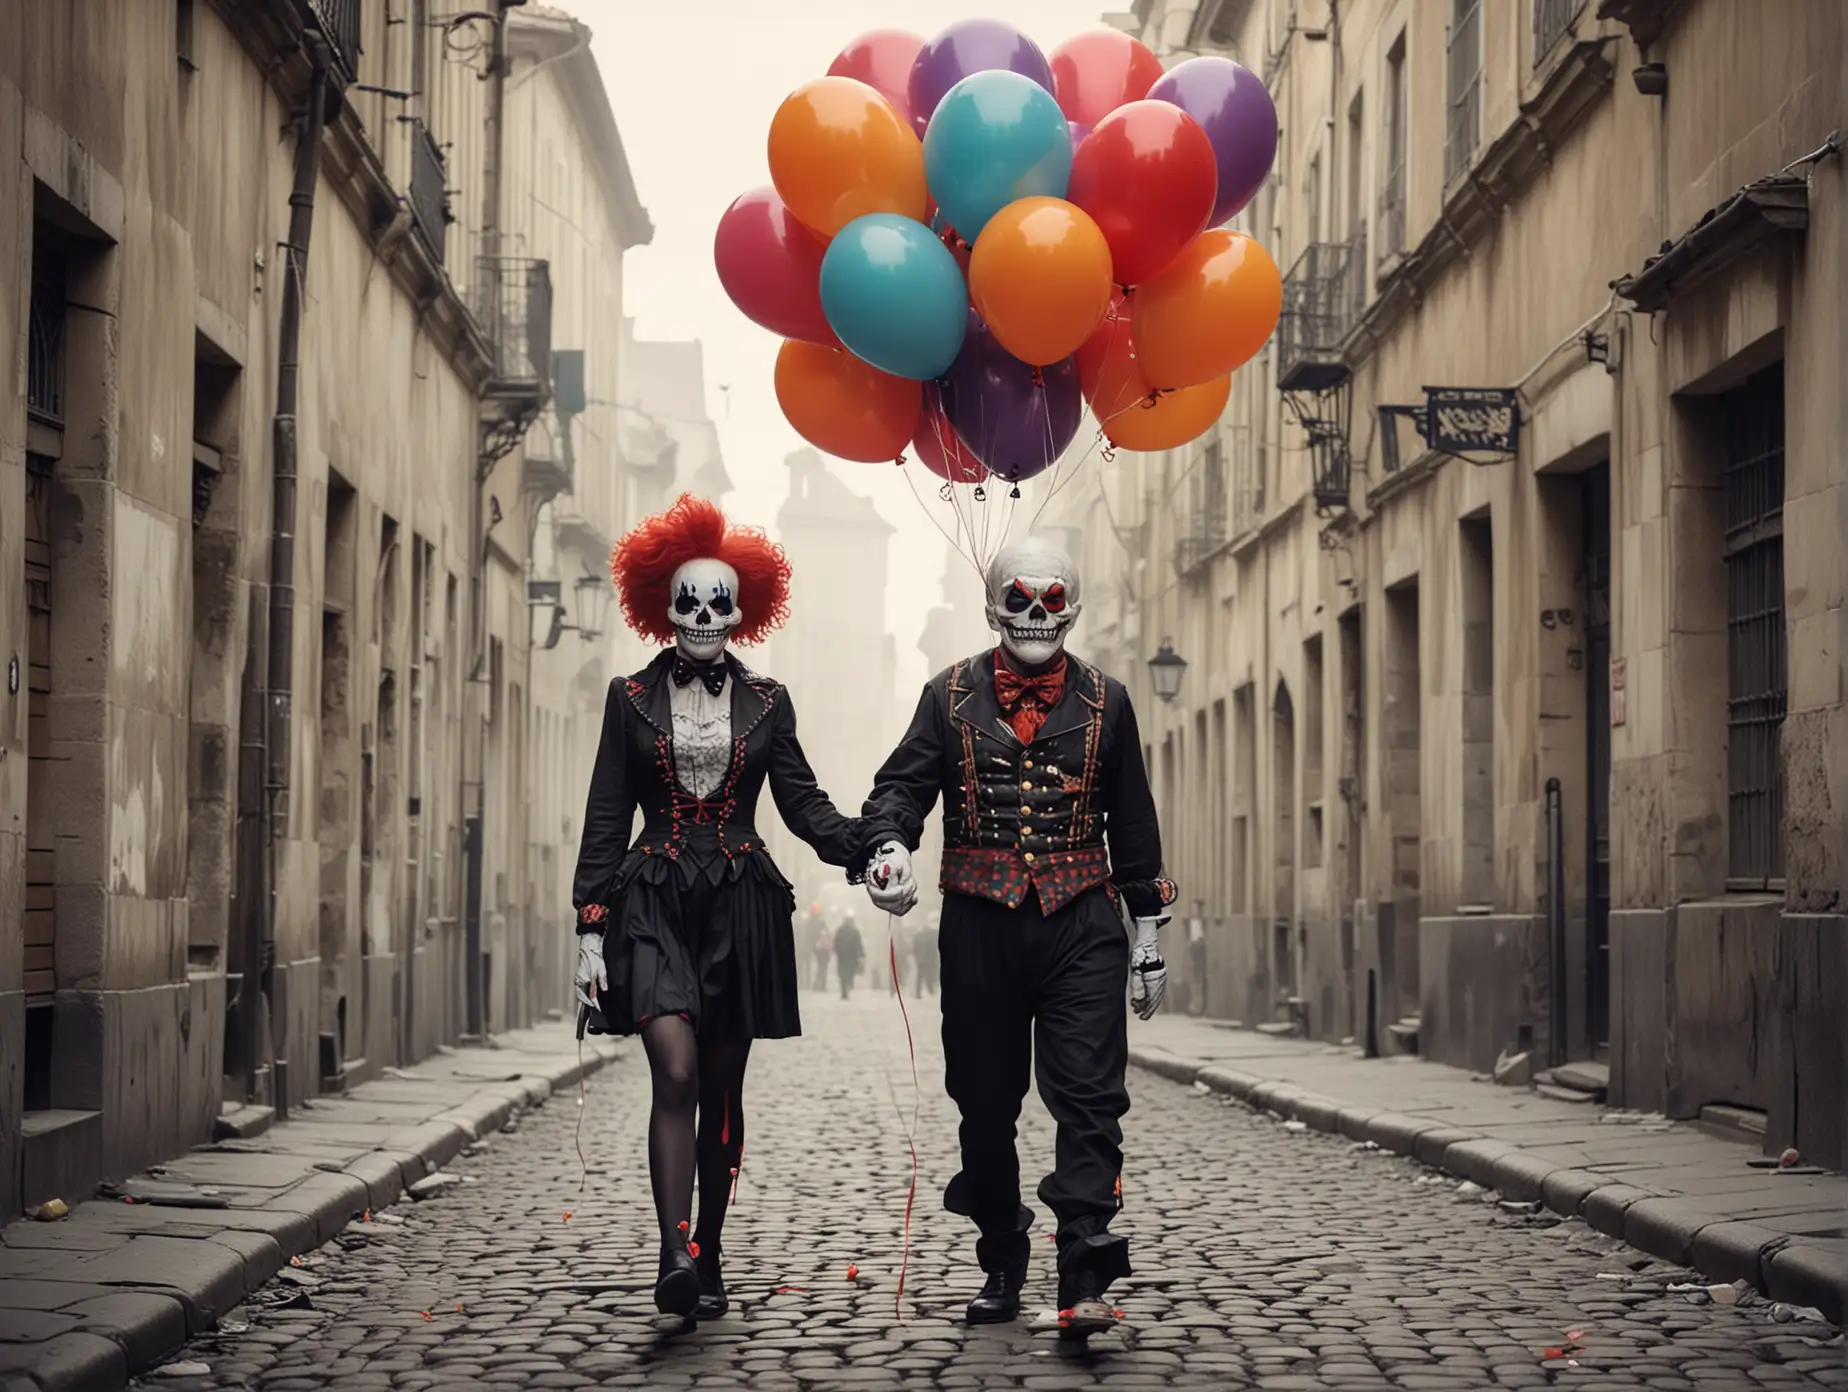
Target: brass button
[[1028, 764], [1026, 787], [1028, 857], [1026, 831]]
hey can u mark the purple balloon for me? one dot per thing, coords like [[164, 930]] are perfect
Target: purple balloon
[[1016, 421], [1079, 131], [1232, 107], [966, 47]]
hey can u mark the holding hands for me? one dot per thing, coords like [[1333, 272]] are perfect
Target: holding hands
[[889, 881], [1148, 972]]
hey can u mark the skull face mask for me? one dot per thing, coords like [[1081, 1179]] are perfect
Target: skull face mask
[[1032, 600], [704, 608]]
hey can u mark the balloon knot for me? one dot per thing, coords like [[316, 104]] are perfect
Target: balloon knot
[[1108, 454], [1014, 492], [946, 493], [1039, 377], [1148, 402], [981, 494], [900, 461]]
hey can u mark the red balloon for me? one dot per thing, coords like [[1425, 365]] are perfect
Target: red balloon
[[882, 60], [1095, 73], [940, 449], [770, 265], [1147, 175]]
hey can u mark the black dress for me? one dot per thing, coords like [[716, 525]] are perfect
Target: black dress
[[696, 917]]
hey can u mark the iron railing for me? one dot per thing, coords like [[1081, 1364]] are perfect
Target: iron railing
[[1553, 20], [513, 305], [1318, 311], [1463, 63], [1205, 532], [429, 190], [45, 333], [338, 21], [1757, 668]]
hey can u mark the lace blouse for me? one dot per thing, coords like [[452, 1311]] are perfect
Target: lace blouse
[[702, 737]]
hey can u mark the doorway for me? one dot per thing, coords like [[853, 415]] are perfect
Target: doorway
[[1596, 584]]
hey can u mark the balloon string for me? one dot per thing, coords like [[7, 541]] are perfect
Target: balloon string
[[911, 1135]]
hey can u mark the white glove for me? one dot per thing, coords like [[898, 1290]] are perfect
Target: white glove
[[591, 975], [1148, 973], [889, 881]]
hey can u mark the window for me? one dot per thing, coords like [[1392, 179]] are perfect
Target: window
[[1463, 59], [1392, 184], [1552, 22], [1312, 196], [45, 330], [183, 34], [1756, 665]]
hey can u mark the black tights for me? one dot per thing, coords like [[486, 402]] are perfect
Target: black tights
[[694, 1080]]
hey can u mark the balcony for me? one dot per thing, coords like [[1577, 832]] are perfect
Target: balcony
[[513, 306], [1319, 307], [429, 190], [1204, 530], [338, 23]]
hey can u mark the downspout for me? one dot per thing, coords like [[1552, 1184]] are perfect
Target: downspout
[[476, 732], [278, 734]]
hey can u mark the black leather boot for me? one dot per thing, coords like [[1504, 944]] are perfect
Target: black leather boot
[[999, 1301], [1083, 1311], [713, 1301], [677, 1287]]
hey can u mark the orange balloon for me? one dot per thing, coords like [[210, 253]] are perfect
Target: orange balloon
[[1171, 418], [1040, 278], [844, 406], [839, 151], [1209, 312], [1131, 413]]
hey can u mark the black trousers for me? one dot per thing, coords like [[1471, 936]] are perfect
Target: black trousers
[[1018, 983]]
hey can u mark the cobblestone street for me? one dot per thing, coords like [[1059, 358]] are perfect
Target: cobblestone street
[[1265, 1257]]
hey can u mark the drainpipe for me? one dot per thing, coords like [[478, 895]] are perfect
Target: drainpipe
[[279, 728], [1556, 918], [476, 733]]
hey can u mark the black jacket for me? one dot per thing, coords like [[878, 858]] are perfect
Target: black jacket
[[635, 768], [1081, 783]]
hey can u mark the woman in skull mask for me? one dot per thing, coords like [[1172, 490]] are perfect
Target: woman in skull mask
[[684, 936]]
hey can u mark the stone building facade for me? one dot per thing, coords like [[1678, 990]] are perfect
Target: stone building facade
[[265, 336], [1514, 719]]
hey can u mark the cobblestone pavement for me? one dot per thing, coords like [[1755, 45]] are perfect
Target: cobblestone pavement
[[1266, 1257]]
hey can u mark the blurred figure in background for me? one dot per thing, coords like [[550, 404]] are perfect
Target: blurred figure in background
[[823, 953], [849, 953], [924, 953]]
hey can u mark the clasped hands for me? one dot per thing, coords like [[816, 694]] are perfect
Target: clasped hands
[[890, 883]]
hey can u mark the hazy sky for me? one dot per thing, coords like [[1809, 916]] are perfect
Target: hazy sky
[[694, 86]]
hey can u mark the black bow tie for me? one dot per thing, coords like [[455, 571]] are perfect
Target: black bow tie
[[711, 673]]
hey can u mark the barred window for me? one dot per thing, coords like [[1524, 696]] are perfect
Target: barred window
[[45, 330], [1756, 661]]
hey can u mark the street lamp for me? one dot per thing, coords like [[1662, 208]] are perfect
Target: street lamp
[[1166, 669], [593, 605]]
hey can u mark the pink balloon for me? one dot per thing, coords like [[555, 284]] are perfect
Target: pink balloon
[[770, 265], [883, 61]]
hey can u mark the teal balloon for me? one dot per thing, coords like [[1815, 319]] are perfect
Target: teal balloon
[[895, 296], [995, 137]]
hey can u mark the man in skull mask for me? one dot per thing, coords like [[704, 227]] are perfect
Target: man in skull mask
[[1049, 825]]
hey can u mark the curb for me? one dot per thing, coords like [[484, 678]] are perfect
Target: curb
[[133, 1332], [1675, 1230]]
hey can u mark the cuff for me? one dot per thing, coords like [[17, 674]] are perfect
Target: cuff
[[1148, 898], [593, 918]]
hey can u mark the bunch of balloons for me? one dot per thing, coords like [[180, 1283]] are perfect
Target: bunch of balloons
[[965, 242]]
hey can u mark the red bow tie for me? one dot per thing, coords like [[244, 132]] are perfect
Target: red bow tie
[[1044, 690]]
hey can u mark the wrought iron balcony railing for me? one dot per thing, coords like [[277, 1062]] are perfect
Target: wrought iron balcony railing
[[1205, 529], [513, 305], [338, 22], [429, 190], [1318, 310]]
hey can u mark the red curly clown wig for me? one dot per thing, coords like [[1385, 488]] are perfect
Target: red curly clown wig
[[644, 562]]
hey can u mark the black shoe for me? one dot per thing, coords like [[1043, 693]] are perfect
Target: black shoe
[[1083, 1311], [999, 1301], [713, 1302], [677, 1287]]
